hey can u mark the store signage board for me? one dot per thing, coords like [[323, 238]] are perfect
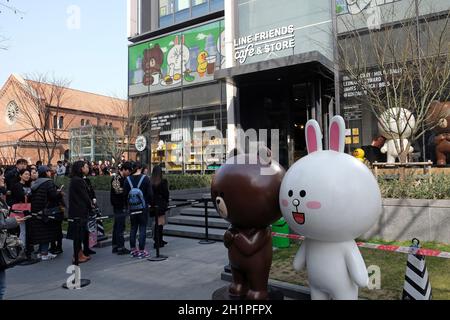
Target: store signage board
[[374, 80], [266, 42], [141, 143], [352, 112]]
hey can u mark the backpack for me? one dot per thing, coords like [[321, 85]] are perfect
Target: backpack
[[136, 201]]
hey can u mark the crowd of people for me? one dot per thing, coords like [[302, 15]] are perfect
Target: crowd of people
[[33, 208]]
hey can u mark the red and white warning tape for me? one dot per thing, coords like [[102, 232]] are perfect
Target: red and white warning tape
[[384, 247]]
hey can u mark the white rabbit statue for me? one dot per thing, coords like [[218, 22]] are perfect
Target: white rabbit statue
[[330, 198], [396, 122], [177, 59]]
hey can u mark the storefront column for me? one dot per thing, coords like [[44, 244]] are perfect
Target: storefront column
[[231, 21]]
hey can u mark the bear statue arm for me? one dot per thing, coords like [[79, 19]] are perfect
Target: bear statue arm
[[249, 246], [384, 148], [356, 267], [300, 258]]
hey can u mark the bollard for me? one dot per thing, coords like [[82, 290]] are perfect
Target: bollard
[[206, 240]]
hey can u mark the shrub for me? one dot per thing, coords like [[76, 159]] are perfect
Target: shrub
[[416, 187], [176, 181]]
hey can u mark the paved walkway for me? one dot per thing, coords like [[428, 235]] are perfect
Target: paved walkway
[[191, 272]]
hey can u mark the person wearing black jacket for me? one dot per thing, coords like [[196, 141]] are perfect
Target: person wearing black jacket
[[161, 195], [12, 177], [41, 230], [80, 205], [118, 201], [139, 221], [5, 224], [20, 193]]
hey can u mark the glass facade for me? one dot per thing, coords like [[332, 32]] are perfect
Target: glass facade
[[185, 127], [265, 21], [176, 11], [92, 143]]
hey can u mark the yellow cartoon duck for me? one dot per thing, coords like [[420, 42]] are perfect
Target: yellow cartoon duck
[[359, 154], [202, 63]]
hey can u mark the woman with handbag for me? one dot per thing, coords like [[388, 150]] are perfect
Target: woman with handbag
[[45, 201], [161, 196], [80, 205], [5, 224]]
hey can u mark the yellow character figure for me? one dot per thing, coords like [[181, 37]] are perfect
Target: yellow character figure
[[202, 63], [359, 154]]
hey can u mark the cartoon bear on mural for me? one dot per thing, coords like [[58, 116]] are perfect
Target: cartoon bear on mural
[[153, 59], [248, 199]]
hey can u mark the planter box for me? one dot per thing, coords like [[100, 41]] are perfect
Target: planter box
[[404, 219]]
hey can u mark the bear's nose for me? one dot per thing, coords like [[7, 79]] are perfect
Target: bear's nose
[[295, 202], [218, 201]]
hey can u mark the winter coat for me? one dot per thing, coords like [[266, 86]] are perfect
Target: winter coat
[[18, 193], [117, 195], [80, 203], [6, 223], [160, 198], [44, 195]]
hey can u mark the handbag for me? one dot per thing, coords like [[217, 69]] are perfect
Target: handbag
[[20, 209], [56, 213], [12, 250]]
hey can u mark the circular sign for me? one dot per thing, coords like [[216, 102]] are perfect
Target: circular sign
[[141, 143]]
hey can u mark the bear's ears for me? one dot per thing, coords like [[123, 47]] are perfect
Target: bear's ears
[[336, 131]]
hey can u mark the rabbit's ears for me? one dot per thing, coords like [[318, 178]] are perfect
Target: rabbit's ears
[[314, 135], [177, 42]]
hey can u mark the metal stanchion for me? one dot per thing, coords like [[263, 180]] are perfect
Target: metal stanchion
[[206, 240], [76, 249], [158, 257]]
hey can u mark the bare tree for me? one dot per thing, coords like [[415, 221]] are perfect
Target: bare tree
[[401, 66], [40, 100], [127, 128]]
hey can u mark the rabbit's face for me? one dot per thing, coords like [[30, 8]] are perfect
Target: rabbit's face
[[178, 55], [330, 196]]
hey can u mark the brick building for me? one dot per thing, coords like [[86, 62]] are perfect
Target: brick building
[[36, 117]]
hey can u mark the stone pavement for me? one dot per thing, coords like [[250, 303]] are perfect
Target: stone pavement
[[192, 272]]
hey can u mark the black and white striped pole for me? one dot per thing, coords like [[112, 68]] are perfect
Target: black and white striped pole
[[417, 284]]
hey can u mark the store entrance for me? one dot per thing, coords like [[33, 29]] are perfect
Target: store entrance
[[284, 104]]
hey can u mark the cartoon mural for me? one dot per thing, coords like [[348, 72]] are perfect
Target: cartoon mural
[[177, 59]]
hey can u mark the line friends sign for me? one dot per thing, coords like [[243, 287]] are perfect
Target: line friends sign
[[264, 42]]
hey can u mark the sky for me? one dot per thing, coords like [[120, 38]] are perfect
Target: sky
[[83, 41]]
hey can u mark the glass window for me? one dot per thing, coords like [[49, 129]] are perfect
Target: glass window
[[199, 8], [61, 122], [88, 122], [55, 122], [216, 5], [165, 7], [182, 5], [82, 122]]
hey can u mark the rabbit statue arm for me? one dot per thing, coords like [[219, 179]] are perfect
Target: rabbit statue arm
[[384, 148], [300, 258], [356, 267]]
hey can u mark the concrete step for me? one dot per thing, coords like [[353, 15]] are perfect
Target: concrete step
[[199, 212], [202, 205], [193, 232], [198, 221]]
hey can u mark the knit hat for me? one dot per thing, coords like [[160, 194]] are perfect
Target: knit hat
[[43, 169]]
